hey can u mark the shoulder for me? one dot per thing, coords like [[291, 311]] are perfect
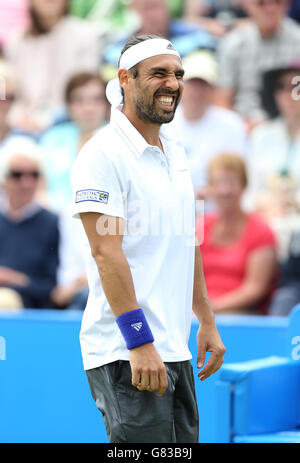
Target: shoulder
[[48, 217], [103, 149], [206, 221], [12, 44], [269, 129], [238, 37], [259, 232], [227, 117], [55, 133], [290, 28], [73, 26]]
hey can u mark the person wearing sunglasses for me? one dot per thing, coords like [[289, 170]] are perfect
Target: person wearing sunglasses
[[274, 161], [28, 232], [246, 53]]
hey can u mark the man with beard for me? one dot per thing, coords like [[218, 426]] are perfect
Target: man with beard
[[134, 195]]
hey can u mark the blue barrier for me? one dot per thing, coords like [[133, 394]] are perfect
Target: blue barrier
[[44, 394]]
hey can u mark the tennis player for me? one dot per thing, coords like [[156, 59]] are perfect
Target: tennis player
[[133, 193]]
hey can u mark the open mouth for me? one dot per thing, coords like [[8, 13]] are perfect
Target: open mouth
[[167, 102]]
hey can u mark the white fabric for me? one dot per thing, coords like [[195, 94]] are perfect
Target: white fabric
[[134, 55], [271, 150], [144, 50], [217, 131], [139, 178], [71, 250]]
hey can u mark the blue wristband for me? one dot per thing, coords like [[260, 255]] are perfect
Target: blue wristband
[[134, 328]]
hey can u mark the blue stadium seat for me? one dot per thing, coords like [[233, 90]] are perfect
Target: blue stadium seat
[[259, 400]]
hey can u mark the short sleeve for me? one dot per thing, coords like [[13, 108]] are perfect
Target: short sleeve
[[96, 184], [260, 234]]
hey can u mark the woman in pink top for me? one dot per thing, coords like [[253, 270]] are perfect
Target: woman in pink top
[[238, 249]]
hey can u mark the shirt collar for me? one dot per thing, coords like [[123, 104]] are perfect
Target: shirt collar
[[133, 137]]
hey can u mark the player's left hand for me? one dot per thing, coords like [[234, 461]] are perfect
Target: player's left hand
[[208, 340]]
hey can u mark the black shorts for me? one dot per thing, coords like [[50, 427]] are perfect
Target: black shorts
[[135, 416]]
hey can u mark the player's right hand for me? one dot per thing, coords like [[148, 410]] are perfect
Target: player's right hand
[[148, 370]]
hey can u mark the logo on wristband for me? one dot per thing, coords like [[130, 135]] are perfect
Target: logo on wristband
[[137, 326]]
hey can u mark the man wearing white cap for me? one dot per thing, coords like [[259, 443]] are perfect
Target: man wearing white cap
[[133, 193], [206, 130]]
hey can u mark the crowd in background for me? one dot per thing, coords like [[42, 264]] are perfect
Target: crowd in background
[[239, 121]]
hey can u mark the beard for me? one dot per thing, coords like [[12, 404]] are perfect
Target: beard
[[147, 112]]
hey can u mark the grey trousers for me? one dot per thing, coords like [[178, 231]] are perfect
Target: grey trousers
[[133, 416]]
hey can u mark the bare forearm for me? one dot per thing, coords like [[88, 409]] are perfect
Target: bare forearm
[[238, 300], [117, 282], [201, 304]]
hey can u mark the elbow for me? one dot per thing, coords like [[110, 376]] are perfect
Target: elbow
[[100, 255]]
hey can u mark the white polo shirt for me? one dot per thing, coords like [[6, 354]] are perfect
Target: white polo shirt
[[119, 174]]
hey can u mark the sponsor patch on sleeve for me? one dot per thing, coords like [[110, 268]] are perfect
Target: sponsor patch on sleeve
[[97, 196]]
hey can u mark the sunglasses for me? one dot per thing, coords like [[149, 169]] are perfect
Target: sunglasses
[[18, 174]]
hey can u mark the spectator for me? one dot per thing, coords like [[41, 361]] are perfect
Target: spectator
[[13, 16], [155, 18], [110, 17], [288, 293], [71, 291], [205, 129], [274, 161], [217, 16], [54, 47], [88, 111], [28, 232], [246, 53], [8, 94], [238, 250]]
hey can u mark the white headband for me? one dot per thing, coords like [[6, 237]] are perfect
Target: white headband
[[134, 55]]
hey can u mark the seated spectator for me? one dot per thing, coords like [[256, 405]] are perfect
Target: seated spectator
[[72, 290], [28, 232], [13, 17], [217, 16], [287, 294], [53, 48], [274, 161], [238, 249], [155, 19], [205, 128], [246, 53], [88, 111]]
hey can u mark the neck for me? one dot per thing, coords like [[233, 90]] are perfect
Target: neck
[[14, 208], [148, 130], [49, 22], [193, 117], [267, 33], [230, 216]]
